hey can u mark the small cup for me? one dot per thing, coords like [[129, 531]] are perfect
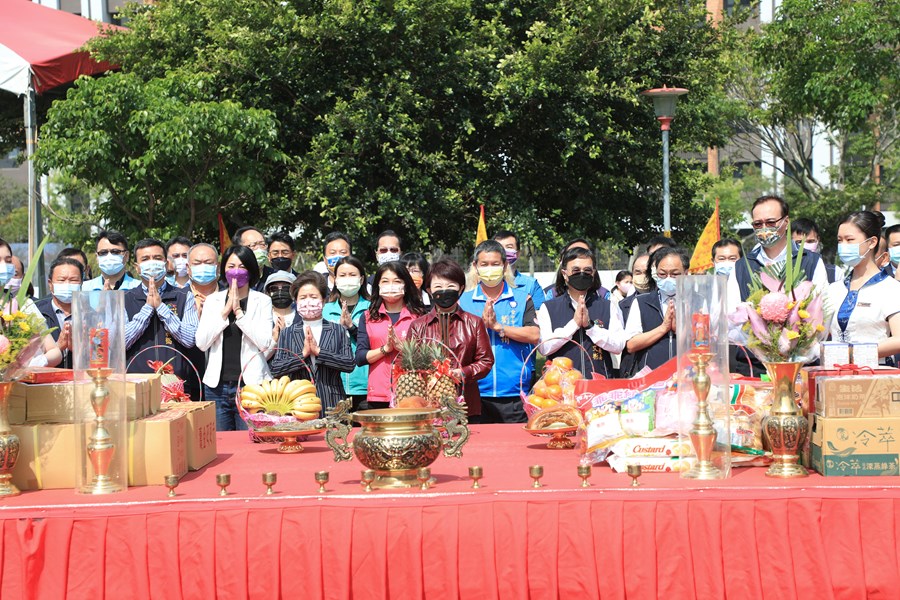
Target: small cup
[[269, 479], [536, 472], [475, 473], [171, 483], [223, 480]]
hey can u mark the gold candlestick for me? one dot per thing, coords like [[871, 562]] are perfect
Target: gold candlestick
[[536, 472], [585, 471], [171, 483], [475, 473], [223, 480], [368, 477], [423, 475], [269, 479], [322, 479], [101, 448], [703, 434], [634, 471]]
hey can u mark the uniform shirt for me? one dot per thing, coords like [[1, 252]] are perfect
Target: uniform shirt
[[611, 339], [184, 329], [126, 283], [876, 302]]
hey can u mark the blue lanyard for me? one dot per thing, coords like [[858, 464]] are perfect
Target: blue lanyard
[[849, 302]]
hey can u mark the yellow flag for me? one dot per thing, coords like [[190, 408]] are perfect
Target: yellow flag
[[481, 232], [701, 260]]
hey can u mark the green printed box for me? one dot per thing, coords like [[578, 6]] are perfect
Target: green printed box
[[856, 447]]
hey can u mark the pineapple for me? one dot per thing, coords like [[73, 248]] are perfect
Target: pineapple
[[412, 360], [438, 386]]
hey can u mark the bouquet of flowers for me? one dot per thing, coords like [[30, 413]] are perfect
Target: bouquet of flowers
[[20, 331], [782, 319]]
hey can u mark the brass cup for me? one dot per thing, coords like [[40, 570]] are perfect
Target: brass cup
[[171, 483], [634, 471], [475, 473], [585, 471], [368, 477], [423, 475], [269, 479], [223, 480], [322, 479], [536, 472]]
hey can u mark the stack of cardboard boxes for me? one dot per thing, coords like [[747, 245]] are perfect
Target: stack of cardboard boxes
[[161, 440]]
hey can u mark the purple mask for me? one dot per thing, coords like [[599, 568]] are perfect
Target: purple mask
[[511, 256], [242, 276]]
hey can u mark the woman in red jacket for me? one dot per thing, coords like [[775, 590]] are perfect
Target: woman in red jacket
[[396, 302], [462, 332]]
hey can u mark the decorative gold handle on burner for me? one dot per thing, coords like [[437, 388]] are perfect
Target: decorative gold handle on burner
[[456, 422], [338, 429]]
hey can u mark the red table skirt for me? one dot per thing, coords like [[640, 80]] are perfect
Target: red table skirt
[[747, 537]]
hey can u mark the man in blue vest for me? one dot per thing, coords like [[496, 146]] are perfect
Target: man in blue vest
[[158, 314]]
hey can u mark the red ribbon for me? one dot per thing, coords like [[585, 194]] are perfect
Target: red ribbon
[[160, 367], [854, 368], [442, 367]]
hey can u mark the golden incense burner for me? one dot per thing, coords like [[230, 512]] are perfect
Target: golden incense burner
[[397, 442]]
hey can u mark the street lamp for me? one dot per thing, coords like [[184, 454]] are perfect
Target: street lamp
[[664, 100]]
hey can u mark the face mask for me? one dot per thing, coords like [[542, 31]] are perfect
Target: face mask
[[392, 291], [490, 276], [417, 280], [14, 284], [203, 274], [348, 286], [281, 264], [7, 270], [111, 264], [180, 266], [768, 236], [724, 268], [241, 276], [666, 286], [511, 256], [641, 283], [811, 246], [445, 298], [580, 282], [332, 260], [849, 254], [388, 257], [895, 254], [262, 258], [63, 291], [153, 269], [170, 279], [281, 297], [310, 309], [626, 289]]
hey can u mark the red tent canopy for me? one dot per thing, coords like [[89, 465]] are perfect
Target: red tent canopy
[[43, 41]]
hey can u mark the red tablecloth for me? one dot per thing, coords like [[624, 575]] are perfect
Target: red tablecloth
[[746, 537]]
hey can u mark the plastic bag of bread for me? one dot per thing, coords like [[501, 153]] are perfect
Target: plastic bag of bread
[[555, 417], [601, 430]]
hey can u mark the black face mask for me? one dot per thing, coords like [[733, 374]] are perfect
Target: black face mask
[[281, 264], [580, 281], [445, 298], [281, 298]]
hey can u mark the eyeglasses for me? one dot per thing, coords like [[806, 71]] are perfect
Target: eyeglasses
[[261, 244], [394, 249], [280, 253], [113, 252], [767, 223], [588, 272]]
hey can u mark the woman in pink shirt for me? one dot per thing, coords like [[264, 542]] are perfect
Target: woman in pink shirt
[[396, 302]]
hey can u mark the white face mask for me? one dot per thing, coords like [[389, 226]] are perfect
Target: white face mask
[[388, 257], [181, 266], [348, 286], [392, 290]]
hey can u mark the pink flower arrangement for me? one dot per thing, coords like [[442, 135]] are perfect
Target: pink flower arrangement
[[775, 307], [4, 344]]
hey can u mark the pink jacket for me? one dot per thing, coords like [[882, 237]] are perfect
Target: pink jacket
[[373, 334]]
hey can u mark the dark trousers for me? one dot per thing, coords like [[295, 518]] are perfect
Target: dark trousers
[[501, 410]]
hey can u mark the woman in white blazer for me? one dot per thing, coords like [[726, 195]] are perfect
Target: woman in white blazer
[[236, 330]]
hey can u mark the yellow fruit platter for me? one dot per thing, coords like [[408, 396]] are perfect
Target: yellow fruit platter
[[282, 409]]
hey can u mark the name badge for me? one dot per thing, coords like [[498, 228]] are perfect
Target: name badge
[[864, 304]]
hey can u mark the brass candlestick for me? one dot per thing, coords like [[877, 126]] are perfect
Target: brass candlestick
[[368, 477], [634, 471], [703, 434], [475, 473], [322, 479], [536, 472], [223, 480], [269, 479], [585, 471], [171, 483], [101, 448], [423, 475]]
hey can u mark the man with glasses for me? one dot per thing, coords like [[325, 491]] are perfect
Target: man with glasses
[[387, 247], [254, 239], [770, 225], [112, 256]]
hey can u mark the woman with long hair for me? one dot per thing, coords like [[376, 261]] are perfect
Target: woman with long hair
[[396, 302]]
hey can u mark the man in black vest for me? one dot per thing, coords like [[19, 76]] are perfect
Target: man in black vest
[[66, 277], [158, 314]]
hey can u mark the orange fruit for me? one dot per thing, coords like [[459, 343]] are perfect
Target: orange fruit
[[552, 377], [535, 400], [554, 392], [540, 389], [572, 376], [563, 363], [548, 402]]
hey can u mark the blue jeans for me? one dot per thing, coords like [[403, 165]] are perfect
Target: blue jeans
[[227, 417]]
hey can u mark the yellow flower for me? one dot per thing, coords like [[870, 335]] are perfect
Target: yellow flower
[[791, 305], [792, 335], [25, 327], [20, 315], [7, 317], [820, 328], [803, 314]]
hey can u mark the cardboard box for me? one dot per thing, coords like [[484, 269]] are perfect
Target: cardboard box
[[157, 446], [48, 375], [48, 456], [809, 376], [16, 403], [853, 447], [201, 431], [55, 402], [873, 396]]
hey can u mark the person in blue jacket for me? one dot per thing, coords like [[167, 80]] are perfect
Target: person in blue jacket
[[510, 317], [510, 242]]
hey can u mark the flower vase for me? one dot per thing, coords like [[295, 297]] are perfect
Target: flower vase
[[785, 428], [9, 444]]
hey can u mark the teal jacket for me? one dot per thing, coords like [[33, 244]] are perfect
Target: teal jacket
[[355, 383]]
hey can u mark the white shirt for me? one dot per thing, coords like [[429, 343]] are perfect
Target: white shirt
[[733, 292], [612, 339], [875, 304]]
